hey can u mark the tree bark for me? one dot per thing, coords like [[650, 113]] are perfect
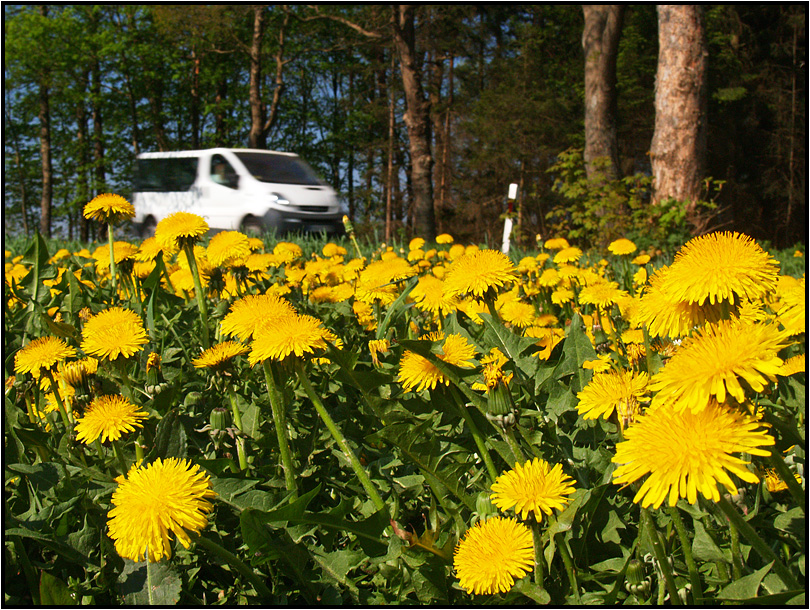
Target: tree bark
[[600, 42], [678, 151], [417, 121], [46, 202], [256, 134]]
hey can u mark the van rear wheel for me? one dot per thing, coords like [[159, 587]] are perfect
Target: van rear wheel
[[148, 228], [252, 226]]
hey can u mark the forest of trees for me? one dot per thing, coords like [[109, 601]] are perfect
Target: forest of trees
[[422, 115]]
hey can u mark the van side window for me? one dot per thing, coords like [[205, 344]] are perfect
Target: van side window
[[222, 172], [165, 175]]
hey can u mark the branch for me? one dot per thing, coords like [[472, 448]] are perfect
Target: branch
[[357, 28]]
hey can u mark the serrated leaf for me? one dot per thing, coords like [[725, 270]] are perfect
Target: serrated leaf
[[422, 448], [704, 548], [746, 587], [170, 438], [577, 349]]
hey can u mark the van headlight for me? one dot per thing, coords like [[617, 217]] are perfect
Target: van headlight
[[279, 199]]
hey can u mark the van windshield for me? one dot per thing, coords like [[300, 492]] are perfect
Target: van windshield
[[282, 169]]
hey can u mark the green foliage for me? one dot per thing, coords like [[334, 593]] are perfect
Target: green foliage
[[597, 210], [431, 455]]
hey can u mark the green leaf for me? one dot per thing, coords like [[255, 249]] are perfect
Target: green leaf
[[536, 593], [793, 522], [54, 592], [746, 587], [170, 438], [577, 349], [420, 445], [149, 584], [704, 548]]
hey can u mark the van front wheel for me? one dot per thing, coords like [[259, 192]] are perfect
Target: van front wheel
[[252, 226]]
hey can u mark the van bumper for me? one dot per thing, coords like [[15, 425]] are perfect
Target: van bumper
[[296, 222]]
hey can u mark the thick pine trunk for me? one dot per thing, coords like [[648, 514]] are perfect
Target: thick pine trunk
[[600, 43], [47, 165], [678, 150]]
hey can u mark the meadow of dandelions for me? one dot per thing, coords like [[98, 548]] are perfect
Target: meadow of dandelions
[[262, 421]]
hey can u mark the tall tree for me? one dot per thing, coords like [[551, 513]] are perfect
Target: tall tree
[[417, 120], [600, 42], [678, 151]]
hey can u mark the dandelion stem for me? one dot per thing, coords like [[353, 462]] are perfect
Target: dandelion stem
[[237, 564], [118, 454], [476, 434], [660, 556], [58, 397], [198, 292], [113, 270], [280, 422], [517, 452], [361, 473], [237, 420], [538, 553], [683, 536], [570, 568], [758, 543]]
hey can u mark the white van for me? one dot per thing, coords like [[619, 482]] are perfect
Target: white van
[[234, 189]]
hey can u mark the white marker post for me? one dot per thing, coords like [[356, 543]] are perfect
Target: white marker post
[[507, 225]]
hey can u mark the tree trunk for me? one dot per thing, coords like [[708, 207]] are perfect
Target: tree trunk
[[600, 42], [256, 134], [83, 173], [678, 151], [417, 121], [45, 151]]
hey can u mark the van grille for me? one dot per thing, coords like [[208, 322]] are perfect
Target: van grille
[[315, 209]]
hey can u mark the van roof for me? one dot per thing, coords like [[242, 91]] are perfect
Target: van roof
[[197, 153]]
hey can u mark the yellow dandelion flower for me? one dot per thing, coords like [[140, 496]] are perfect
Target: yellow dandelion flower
[[532, 488], [774, 482], [166, 497], [793, 365], [492, 555], [228, 248], [791, 308], [180, 229], [556, 243], [219, 355], [602, 364], [149, 250], [568, 255], [444, 238], [377, 347], [683, 453], [44, 353], [561, 296], [712, 362], [664, 315], [112, 333], [717, 267], [549, 278], [287, 252], [249, 313], [621, 247], [109, 417], [109, 208], [429, 295], [517, 313], [417, 243], [479, 272], [641, 259], [613, 391], [602, 294], [122, 251], [74, 373], [416, 372], [281, 337]]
